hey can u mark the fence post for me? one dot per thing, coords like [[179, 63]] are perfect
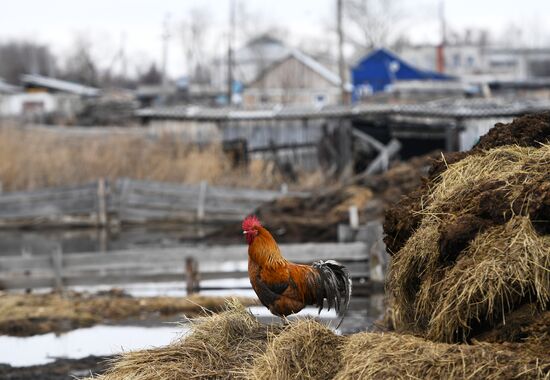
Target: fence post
[[57, 264], [378, 259], [353, 217], [192, 275], [202, 200], [101, 203]]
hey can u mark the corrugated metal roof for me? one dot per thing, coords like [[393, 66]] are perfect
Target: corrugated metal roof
[[464, 108], [59, 85], [6, 88]]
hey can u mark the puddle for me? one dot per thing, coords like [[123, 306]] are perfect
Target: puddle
[[103, 340], [227, 288], [98, 340]]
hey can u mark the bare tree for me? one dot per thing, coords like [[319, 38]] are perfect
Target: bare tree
[[195, 30], [23, 57], [371, 23], [150, 77], [80, 65]]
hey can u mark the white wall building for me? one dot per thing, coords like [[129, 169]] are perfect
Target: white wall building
[[483, 63]]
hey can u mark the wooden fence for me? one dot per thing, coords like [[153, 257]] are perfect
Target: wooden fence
[[188, 263], [102, 203]]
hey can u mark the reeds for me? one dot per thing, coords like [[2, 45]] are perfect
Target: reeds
[[34, 158]]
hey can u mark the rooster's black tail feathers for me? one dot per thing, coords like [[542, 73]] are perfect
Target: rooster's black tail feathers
[[334, 285]]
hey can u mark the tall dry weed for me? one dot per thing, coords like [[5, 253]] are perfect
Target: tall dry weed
[[32, 159]]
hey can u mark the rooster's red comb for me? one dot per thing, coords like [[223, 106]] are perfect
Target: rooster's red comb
[[250, 222]]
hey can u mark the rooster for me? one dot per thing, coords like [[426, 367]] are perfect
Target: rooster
[[286, 288]]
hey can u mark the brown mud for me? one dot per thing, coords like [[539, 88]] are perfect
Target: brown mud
[[492, 205], [315, 218], [61, 369]]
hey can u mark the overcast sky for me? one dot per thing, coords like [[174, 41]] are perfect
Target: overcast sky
[[139, 22]]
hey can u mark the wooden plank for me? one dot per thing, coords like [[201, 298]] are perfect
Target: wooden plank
[[381, 162], [46, 194], [162, 264], [57, 264], [294, 252], [101, 202], [202, 199], [18, 263], [50, 210]]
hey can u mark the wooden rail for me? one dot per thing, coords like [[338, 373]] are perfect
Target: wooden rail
[[187, 263], [102, 203]]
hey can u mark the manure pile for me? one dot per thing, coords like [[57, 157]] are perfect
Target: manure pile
[[234, 345], [472, 246]]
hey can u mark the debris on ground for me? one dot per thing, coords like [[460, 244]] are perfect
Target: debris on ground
[[31, 314], [61, 369], [316, 218]]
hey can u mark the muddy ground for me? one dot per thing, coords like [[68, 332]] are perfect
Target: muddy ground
[[61, 369], [492, 204], [31, 314], [316, 218]]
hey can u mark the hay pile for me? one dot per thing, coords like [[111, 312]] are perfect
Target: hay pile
[[473, 244], [233, 345]]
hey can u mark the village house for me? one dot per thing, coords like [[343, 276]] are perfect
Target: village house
[[42, 96], [513, 71], [295, 79]]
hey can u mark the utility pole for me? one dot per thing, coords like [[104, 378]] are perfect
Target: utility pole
[[165, 39], [441, 48], [232, 17], [341, 62]]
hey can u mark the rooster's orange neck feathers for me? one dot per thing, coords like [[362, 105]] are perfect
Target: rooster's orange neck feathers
[[264, 250]]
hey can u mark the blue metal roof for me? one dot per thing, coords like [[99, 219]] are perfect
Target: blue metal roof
[[381, 68]]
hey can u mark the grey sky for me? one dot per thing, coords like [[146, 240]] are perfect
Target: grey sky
[[138, 22]]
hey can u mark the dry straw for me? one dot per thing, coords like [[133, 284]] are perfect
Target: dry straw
[[305, 349], [233, 345], [504, 266], [217, 347], [394, 356]]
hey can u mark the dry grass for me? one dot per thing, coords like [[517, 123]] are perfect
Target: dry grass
[[31, 159], [512, 167], [501, 268], [233, 345], [30, 314], [394, 356], [217, 347], [305, 349]]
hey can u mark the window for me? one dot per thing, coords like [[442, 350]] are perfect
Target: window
[[456, 60], [320, 100]]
